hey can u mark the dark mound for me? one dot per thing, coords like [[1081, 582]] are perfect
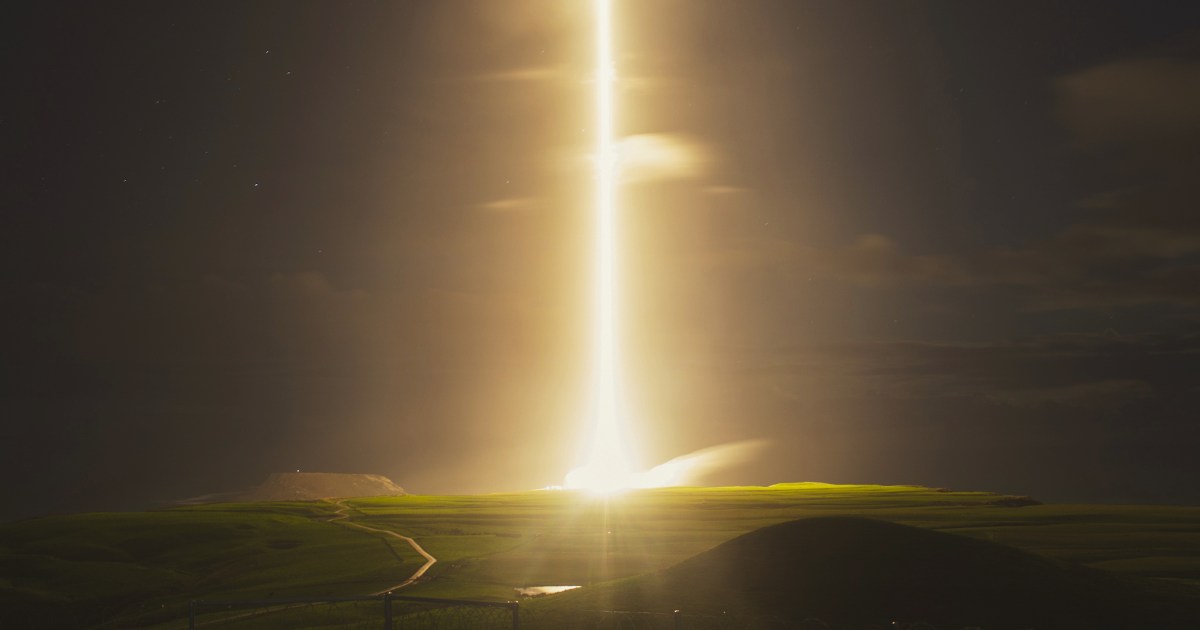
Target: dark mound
[[865, 573]]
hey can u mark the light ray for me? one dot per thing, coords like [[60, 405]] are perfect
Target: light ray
[[607, 467], [608, 447]]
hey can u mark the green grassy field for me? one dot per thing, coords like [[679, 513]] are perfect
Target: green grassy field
[[142, 568]]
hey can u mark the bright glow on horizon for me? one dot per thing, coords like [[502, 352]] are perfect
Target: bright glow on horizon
[[681, 471]]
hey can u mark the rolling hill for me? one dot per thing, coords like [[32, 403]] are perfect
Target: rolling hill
[[858, 572]]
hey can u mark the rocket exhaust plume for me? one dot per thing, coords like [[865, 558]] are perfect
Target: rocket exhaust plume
[[684, 470], [607, 464], [607, 468]]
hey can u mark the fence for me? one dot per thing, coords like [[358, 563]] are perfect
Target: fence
[[679, 620], [398, 612], [641, 620]]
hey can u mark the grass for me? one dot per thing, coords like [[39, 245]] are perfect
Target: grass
[[142, 568], [559, 538], [856, 572]]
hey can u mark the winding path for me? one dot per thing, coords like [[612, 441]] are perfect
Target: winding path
[[343, 514]]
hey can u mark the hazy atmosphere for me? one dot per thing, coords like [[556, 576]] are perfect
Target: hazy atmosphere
[[942, 243]]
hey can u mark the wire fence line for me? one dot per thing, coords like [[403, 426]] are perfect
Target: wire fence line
[[399, 612], [393, 612], [681, 620], [677, 620]]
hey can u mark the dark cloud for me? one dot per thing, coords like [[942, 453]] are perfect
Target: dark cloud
[[1133, 103], [1086, 266], [1139, 245], [1053, 369]]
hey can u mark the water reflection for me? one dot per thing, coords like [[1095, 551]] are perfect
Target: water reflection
[[534, 591]]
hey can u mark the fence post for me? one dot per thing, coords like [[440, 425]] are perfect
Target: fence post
[[516, 612], [678, 620], [387, 611], [192, 614]]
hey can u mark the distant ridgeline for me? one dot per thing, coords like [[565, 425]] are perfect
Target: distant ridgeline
[[309, 486], [304, 486]]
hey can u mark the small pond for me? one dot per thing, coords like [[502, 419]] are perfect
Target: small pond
[[534, 591]]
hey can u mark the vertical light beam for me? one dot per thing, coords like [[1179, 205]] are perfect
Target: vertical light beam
[[607, 449], [607, 468]]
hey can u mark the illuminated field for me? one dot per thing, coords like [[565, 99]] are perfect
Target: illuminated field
[[489, 545]]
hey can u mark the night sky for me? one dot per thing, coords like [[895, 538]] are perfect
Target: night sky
[[952, 243]]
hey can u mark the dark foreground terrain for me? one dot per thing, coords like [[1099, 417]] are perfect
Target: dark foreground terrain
[[856, 572]]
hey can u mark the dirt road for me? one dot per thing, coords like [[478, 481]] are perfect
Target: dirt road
[[341, 519]]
